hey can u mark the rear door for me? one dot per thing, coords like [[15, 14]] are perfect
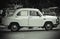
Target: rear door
[[22, 17]]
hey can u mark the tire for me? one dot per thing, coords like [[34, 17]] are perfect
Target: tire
[[48, 26], [15, 27]]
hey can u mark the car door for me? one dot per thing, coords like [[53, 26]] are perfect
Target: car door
[[35, 19], [22, 17]]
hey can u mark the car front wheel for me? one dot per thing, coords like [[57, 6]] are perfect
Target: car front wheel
[[48, 26]]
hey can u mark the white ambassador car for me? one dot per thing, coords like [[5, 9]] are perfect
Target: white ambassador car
[[29, 17]]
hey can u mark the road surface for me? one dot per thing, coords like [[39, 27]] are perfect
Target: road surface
[[31, 34], [24, 33]]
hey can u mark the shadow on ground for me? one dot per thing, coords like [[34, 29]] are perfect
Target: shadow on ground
[[30, 30]]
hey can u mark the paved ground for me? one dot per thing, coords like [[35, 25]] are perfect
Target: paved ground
[[31, 34], [25, 33]]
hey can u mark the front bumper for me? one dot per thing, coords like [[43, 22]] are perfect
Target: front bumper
[[55, 25]]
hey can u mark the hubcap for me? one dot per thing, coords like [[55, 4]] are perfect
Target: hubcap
[[48, 26], [14, 27]]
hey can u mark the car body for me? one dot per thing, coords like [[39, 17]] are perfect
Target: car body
[[29, 17]]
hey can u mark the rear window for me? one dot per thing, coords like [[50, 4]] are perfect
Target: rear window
[[22, 13], [10, 12]]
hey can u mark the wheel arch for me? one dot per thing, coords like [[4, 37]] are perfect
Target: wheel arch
[[48, 22]]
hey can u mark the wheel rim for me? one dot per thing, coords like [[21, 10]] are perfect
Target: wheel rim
[[48, 26], [14, 28]]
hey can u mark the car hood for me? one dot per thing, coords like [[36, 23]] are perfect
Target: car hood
[[46, 16]]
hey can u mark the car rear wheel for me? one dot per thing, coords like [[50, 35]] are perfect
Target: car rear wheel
[[14, 27]]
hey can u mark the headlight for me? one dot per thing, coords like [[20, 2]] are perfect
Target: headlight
[[57, 20]]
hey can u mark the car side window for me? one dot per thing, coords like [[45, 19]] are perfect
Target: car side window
[[34, 13], [22, 13]]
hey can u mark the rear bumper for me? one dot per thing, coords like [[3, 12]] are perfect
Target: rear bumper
[[3, 26]]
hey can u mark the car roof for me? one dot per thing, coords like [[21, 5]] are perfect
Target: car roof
[[28, 9]]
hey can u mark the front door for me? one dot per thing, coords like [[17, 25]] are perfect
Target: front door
[[35, 19]]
